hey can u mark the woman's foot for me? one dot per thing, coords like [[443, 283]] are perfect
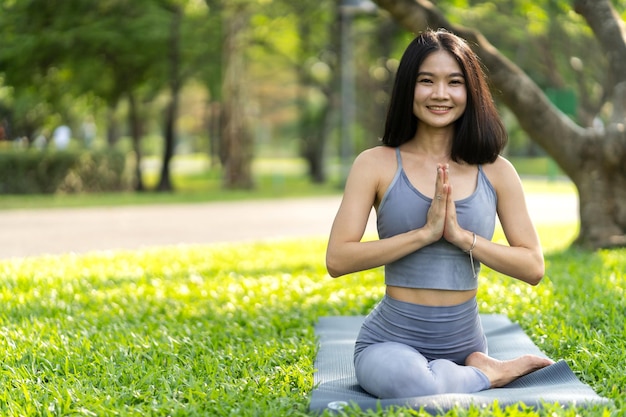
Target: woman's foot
[[501, 373]]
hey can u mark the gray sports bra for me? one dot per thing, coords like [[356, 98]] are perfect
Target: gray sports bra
[[440, 265]]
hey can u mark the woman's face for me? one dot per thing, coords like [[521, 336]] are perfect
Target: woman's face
[[440, 94]]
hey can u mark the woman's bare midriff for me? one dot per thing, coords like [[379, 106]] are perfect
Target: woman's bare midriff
[[434, 298]]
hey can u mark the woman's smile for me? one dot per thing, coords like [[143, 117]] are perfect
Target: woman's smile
[[438, 109]]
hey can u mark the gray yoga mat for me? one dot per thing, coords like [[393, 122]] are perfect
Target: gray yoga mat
[[335, 384]]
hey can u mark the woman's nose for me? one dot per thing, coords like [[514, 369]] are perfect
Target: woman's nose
[[440, 90]]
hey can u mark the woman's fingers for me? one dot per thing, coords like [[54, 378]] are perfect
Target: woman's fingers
[[450, 206], [452, 231], [440, 184], [436, 216]]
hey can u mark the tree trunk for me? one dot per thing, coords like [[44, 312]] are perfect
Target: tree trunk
[[213, 118], [236, 137], [328, 116], [112, 129], [134, 120], [310, 123], [171, 111], [372, 109], [602, 197], [592, 157]]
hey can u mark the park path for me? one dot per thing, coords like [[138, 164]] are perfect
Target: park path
[[25, 233]]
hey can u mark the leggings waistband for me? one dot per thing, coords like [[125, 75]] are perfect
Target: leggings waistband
[[451, 332]]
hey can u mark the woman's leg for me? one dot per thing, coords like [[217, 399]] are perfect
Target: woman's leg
[[395, 370]]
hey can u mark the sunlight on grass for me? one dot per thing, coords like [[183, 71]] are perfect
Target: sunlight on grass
[[546, 186], [228, 329]]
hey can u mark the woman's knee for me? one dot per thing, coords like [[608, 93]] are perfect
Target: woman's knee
[[393, 370]]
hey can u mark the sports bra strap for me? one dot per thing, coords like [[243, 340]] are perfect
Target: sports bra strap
[[399, 158]]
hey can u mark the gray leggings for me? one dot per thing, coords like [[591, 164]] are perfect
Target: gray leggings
[[409, 350]]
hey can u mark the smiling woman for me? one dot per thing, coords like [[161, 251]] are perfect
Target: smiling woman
[[436, 185]]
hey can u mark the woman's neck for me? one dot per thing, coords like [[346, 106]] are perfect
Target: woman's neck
[[436, 145]]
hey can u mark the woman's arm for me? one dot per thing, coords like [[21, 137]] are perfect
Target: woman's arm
[[523, 258], [346, 253]]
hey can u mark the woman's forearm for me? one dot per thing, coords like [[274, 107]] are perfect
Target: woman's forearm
[[347, 257], [525, 264]]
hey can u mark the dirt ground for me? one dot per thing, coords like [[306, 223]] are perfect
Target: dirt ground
[[26, 233]]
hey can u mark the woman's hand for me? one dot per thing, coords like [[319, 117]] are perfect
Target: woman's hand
[[436, 216], [452, 232], [522, 258]]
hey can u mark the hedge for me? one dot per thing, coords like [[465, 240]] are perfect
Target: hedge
[[49, 171]]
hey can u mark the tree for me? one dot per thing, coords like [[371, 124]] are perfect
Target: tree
[[592, 156], [236, 138], [175, 85], [111, 35], [315, 115], [93, 46], [211, 74], [296, 42], [188, 55]]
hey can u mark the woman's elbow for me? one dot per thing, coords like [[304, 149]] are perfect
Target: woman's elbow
[[334, 266], [333, 273], [536, 273]]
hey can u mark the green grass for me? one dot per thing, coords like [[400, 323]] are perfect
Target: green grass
[[227, 330]]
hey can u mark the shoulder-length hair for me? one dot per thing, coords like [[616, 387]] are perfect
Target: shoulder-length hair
[[479, 135]]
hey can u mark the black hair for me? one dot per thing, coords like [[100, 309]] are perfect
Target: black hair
[[479, 135]]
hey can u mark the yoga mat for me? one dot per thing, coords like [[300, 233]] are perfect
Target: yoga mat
[[335, 384]]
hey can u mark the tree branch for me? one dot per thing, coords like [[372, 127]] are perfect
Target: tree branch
[[610, 31], [537, 116]]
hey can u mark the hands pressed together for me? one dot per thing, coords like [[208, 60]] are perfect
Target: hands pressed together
[[441, 219]]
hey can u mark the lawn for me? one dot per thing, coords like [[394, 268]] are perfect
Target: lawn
[[194, 180], [227, 330]]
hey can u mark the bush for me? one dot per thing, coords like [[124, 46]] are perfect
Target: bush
[[48, 172], [97, 172]]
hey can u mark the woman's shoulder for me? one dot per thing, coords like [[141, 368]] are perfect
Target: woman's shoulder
[[378, 156], [501, 172], [380, 150], [375, 166], [501, 163]]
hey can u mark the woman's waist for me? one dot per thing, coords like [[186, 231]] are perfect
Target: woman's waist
[[450, 332], [430, 297], [415, 324]]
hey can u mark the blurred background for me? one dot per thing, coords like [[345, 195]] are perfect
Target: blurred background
[[205, 95]]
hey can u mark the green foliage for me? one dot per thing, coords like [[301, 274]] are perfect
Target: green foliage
[[97, 51], [553, 45], [36, 172], [276, 178], [99, 171], [227, 330], [33, 171]]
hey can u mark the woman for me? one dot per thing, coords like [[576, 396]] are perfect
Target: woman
[[436, 185]]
